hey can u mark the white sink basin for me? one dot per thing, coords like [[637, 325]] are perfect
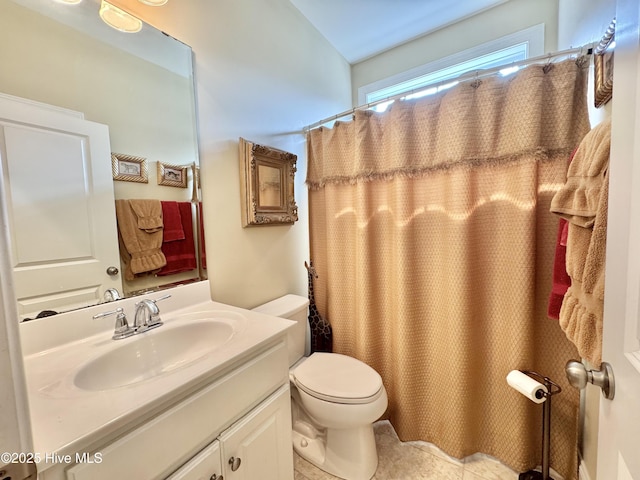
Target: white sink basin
[[183, 341]]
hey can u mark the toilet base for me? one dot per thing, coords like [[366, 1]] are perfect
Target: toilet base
[[346, 453]]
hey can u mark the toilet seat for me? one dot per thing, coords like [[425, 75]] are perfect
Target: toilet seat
[[337, 378]]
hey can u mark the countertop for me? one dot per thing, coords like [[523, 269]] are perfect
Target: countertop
[[66, 419]]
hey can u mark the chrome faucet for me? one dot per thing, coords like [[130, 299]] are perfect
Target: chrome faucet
[[147, 314], [111, 295]]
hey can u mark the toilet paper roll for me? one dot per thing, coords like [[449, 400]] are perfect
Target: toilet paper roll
[[527, 386]]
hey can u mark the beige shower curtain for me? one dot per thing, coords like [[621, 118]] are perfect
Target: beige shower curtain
[[433, 244]]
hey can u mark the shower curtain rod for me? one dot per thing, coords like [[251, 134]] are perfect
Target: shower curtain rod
[[584, 50]]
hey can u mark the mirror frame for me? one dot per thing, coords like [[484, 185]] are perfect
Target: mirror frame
[[254, 211]]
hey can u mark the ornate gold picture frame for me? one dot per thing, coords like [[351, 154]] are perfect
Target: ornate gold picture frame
[[603, 62], [127, 168], [266, 183], [172, 175]]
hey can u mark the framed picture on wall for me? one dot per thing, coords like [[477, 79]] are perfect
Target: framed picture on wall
[[172, 175], [603, 62], [266, 183], [127, 168]]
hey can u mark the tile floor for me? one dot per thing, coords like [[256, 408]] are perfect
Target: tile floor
[[416, 461]]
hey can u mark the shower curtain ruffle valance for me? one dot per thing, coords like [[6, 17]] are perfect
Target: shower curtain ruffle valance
[[532, 111], [433, 242]]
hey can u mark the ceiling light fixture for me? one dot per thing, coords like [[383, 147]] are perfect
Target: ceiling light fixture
[[119, 19], [153, 3]]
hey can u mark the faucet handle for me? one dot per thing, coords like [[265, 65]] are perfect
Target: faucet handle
[[154, 318], [122, 328], [162, 298]]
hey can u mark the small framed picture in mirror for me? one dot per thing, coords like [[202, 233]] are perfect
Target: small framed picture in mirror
[[172, 175], [603, 63], [266, 184], [127, 168]]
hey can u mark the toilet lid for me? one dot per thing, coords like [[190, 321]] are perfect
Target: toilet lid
[[338, 378]]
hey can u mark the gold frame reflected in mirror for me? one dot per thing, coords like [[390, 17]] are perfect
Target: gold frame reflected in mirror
[[603, 63], [172, 175], [266, 185], [127, 168]]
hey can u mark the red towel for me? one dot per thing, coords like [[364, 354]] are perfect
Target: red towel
[[172, 222], [181, 254], [561, 279]]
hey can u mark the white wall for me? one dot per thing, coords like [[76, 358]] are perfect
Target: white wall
[[581, 22], [263, 73], [505, 19]]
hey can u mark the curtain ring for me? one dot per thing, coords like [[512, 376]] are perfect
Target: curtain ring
[[476, 81], [549, 66]]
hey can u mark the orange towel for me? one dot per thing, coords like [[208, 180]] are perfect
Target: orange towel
[[141, 252], [148, 214], [583, 202]]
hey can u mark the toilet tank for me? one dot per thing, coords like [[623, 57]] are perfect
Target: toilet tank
[[292, 307]]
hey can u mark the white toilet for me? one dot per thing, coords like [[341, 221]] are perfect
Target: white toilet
[[335, 400]]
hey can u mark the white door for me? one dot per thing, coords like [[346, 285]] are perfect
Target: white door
[[619, 434], [56, 169]]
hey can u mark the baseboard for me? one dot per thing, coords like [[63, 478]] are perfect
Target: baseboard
[[583, 473]]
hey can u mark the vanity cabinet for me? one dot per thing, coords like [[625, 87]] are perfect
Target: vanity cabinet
[[257, 446], [260, 445], [238, 427], [206, 465]]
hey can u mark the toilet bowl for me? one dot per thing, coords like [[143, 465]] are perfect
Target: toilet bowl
[[335, 400]]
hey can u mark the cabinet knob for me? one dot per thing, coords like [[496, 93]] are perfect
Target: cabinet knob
[[216, 477], [235, 463]]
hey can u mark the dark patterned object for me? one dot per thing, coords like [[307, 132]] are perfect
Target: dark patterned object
[[321, 335]]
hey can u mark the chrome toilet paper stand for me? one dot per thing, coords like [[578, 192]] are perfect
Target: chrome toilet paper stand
[[552, 389]]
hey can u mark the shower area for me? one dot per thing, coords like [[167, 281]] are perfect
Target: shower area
[[433, 242]]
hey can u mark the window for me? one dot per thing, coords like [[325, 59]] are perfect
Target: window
[[509, 49]]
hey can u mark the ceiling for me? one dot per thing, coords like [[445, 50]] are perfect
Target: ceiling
[[360, 29]]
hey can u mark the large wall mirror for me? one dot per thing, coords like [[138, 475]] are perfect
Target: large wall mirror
[[138, 90]]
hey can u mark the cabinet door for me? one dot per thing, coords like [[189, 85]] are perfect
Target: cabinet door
[[204, 466], [260, 445]]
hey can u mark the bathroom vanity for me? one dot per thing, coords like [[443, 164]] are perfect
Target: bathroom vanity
[[204, 396]]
